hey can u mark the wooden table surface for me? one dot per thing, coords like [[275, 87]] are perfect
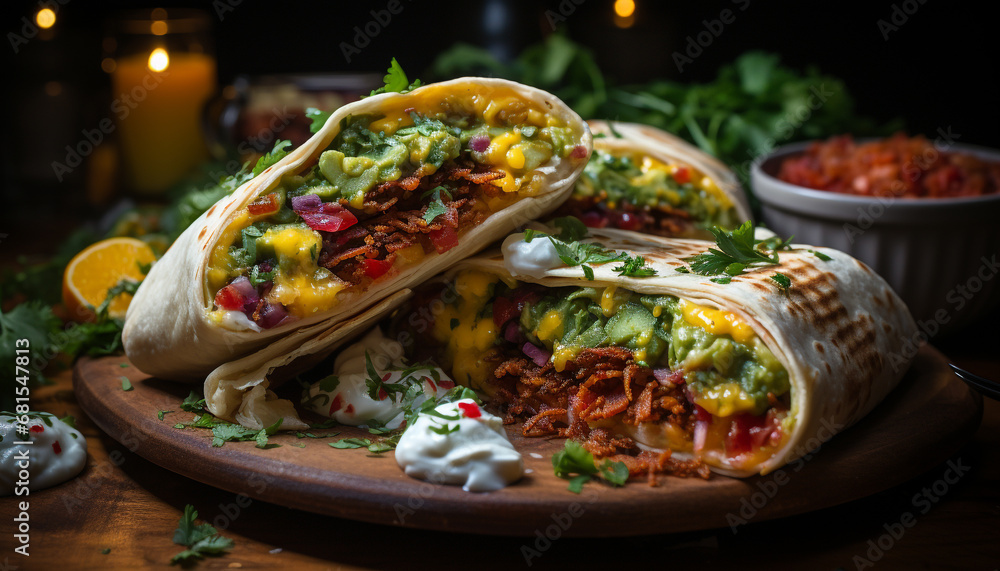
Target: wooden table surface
[[129, 505]]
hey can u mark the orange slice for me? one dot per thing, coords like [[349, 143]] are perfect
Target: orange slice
[[98, 268]]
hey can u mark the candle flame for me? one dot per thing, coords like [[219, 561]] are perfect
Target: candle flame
[[159, 60], [624, 8], [45, 18]]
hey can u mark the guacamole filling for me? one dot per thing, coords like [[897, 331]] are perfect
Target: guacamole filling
[[388, 191], [610, 367], [633, 191]]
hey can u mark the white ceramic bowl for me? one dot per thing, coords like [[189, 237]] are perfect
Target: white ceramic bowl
[[940, 255]]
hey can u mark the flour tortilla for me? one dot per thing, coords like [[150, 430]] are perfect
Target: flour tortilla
[[840, 331], [168, 332], [669, 148]]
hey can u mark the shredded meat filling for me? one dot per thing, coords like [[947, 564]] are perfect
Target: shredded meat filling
[[599, 384], [398, 219], [662, 220]]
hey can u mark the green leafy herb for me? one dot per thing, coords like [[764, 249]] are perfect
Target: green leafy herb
[[193, 403], [105, 551], [161, 413], [635, 267], [123, 365], [223, 432], [782, 280], [444, 429], [269, 159], [69, 420], [348, 443], [126, 384], [574, 459], [318, 118], [258, 277], [737, 251], [820, 255], [396, 81], [329, 383], [571, 229], [436, 207], [200, 540], [722, 281]]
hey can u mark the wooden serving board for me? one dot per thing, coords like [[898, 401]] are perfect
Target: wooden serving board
[[926, 419]]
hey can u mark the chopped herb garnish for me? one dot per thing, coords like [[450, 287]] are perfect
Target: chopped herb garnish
[[200, 540], [126, 384], [69, 420], [574, 459], [349, 443], [444, 429], [269, 159], [635, 267], [396, 81], [105, 551], [318, 118], [329, 383], [193, 403], [737, 251], [123, 365], [782, 280], [436, 207], [723, 281], [820, 255], [159, 414]]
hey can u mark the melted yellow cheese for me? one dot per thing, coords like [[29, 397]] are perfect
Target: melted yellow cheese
[[725, 400], [218, 272], [468, 338], [717, 321], [550, 327]]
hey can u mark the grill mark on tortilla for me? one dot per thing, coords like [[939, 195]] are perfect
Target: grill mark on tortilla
[[202, 233], [819, 347], [212, 209]]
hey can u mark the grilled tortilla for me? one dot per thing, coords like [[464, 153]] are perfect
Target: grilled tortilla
[[392, 190], [743, 376]]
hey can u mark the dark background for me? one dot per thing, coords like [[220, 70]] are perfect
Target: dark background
[[937, 70]]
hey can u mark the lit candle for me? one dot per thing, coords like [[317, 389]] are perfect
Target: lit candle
[[159, 100]]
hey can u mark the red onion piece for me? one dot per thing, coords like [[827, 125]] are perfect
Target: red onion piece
[[271, 315], [578, 152], [247, 293], [512, 333], [536, 354], [479, 143], [306, 202]]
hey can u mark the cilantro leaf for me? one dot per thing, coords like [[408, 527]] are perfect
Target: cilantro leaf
[[635, 267], [571, 229], [329, 383], [269, 159], [348, 443], [782, 280], [737, 251], [200, 540], [396, 81], [436, 207], [582, 253], [444, 429], [222, 433], [574, 459], [193, 403], [820, 255], [126, 384], [374, 382], [318, 118]]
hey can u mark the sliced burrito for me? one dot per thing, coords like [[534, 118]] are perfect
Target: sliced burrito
[[667, 371], [644, 179], [391, 190]]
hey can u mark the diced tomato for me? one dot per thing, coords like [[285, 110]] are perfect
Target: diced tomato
[[336, 404], [503, 310], [628, 221], [593, 219], [443, 239], [578, 152], [56, 447], [375, 268], [470, 409], [446, 384], [264, 205], [740, 436], [382, 395], [37, 428], [523, 295], [330, 217], [682, 175], [701, 414], [349, 409], [229, 298]]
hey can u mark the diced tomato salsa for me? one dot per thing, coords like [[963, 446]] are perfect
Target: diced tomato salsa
[[901, 166]]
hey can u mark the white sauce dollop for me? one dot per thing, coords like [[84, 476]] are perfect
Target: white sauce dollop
[[530, 259], [57, 452], [471, 451], [349, 402]]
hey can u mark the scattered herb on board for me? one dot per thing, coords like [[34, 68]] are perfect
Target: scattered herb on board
[[200, 540], [574, 459], [126, 384]]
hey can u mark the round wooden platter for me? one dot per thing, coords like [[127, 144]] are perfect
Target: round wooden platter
[[926, 419]]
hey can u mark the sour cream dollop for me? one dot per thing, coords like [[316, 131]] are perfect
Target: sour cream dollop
[[344, 396], [57, 452], [460, 444], [530, 259]]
